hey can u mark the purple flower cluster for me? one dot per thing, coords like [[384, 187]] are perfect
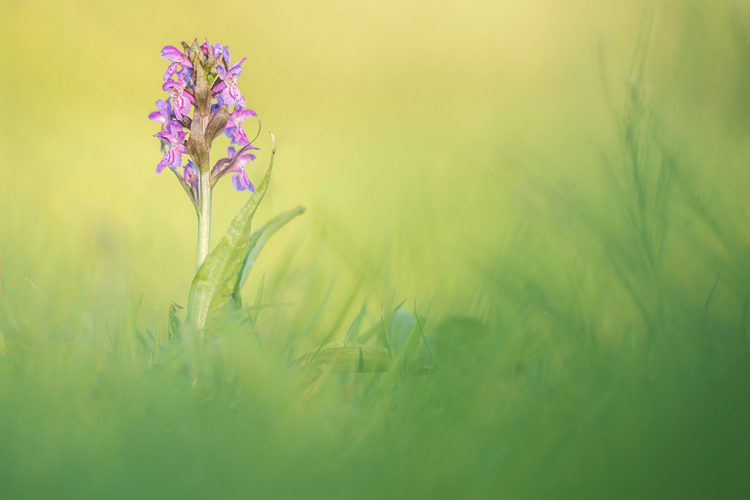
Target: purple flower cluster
[[206, 84]]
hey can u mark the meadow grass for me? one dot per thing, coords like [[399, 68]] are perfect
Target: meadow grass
[[590, 341]]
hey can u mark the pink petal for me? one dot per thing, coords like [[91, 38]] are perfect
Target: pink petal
[[172, 53], [234, 91], [163, 107], [241, 116], [170, 158], [235, 71], [175, 128], [181, 105], [166, 136], [239, 136], [191, 173], [227, 98], [219, 87], [171, 71], [240, 165], [241, 182], [157, 117]]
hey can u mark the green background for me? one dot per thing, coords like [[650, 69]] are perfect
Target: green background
[[475, 157]]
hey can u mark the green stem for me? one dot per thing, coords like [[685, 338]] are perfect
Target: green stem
[[204, 216]]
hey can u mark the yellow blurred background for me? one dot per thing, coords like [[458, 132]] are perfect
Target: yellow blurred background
[[408, 128]]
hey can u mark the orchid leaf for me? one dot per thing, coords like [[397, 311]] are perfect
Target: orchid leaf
[[257, 241], [225, 261], [229, 300]]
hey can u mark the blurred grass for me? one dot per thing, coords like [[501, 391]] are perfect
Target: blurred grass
[[572, 224]]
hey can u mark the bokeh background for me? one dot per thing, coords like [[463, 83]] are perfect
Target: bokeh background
[[408, 128], [473, 156]]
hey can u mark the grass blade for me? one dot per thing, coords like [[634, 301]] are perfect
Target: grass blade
[[256, 306], [367, 334], [351, 334], [54, 310]]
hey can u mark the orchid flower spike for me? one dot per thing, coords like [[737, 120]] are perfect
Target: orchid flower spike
[[203, 102]]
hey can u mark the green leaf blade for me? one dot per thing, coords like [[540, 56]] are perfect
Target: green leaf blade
[[257, 241]]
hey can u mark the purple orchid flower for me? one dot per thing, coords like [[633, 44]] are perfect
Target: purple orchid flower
[[187, 75], [234, 128], [178, 59], [180, 98], [171, 70], [218, 50], [191, 173], [174, 128], [216, 106], [238, 136], [176, 55], [231, 93], [175, 149], [163, 114], [239, 116], [241, 182], [244, 159]]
